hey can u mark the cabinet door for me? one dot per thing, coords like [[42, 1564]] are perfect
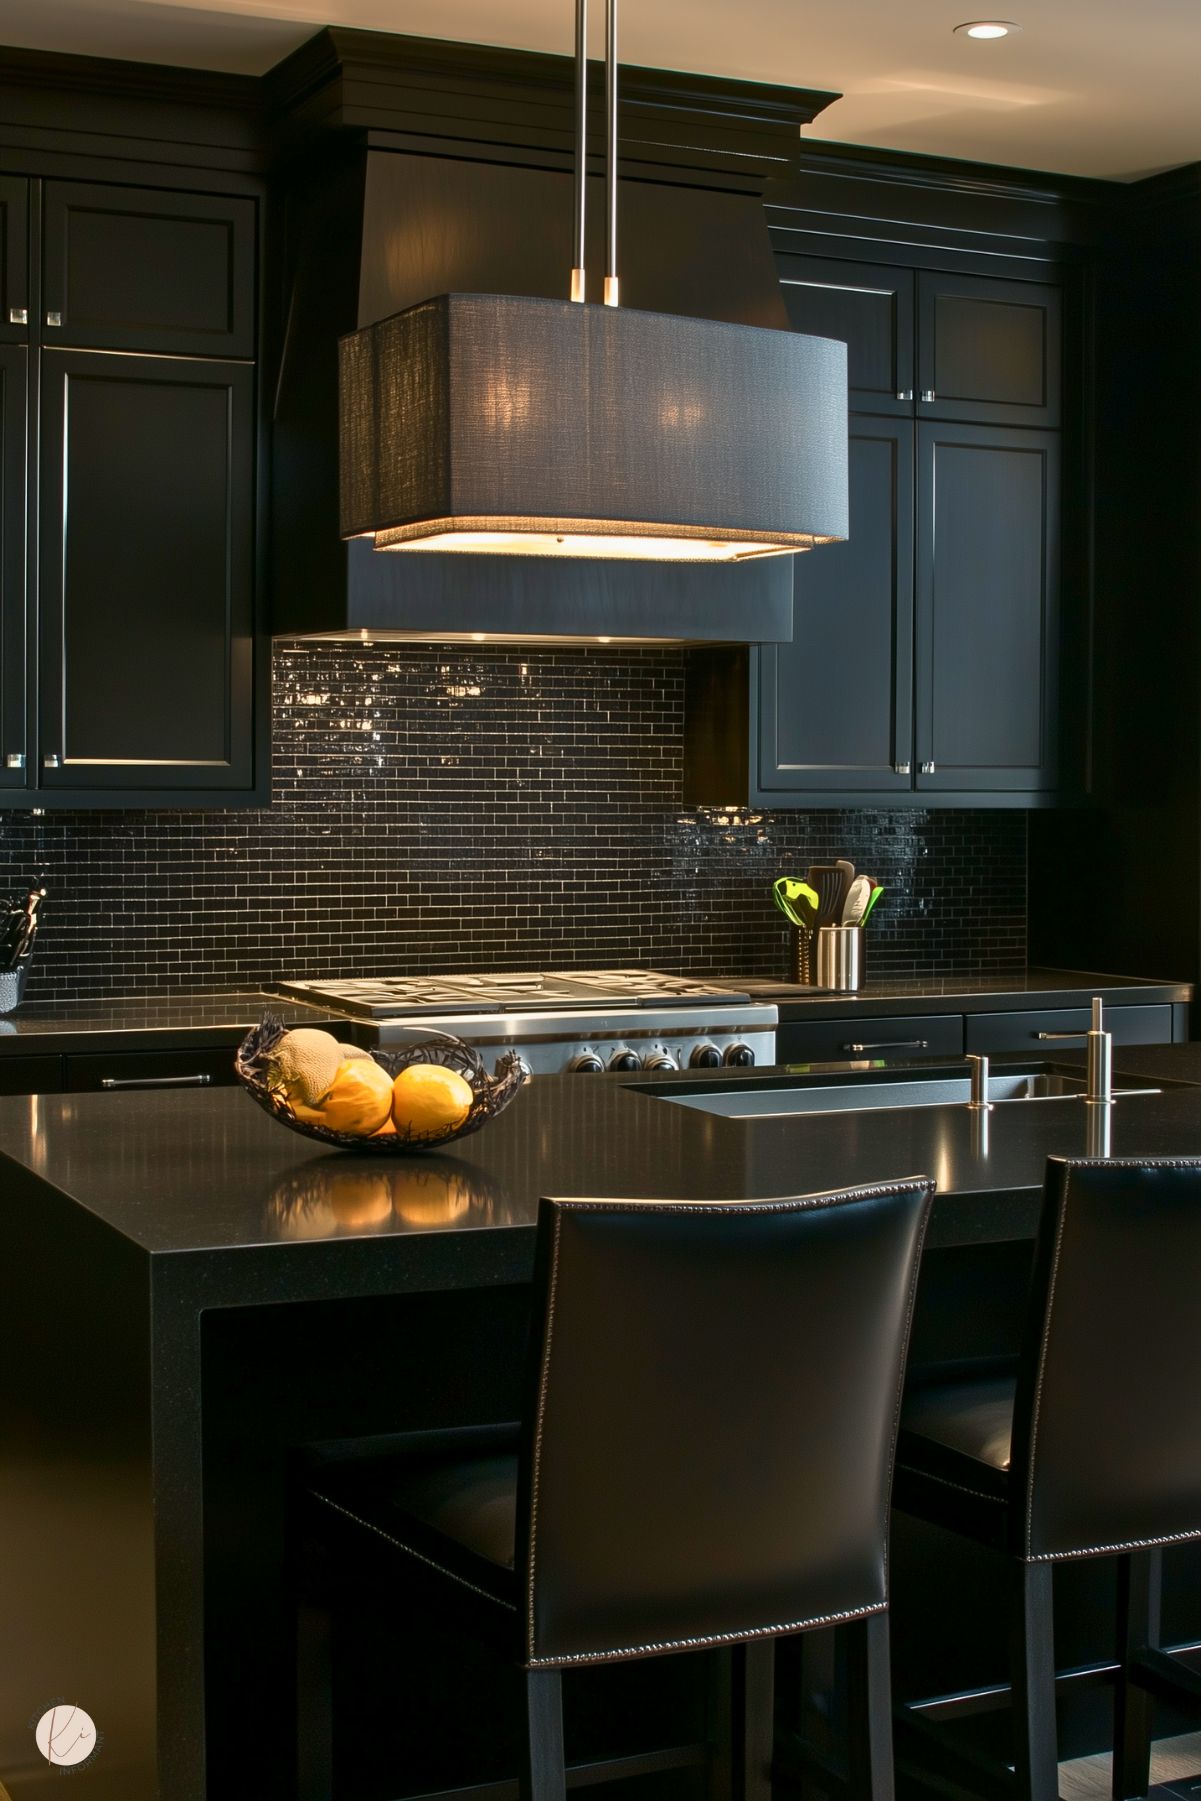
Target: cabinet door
[[141, 269], [836, 705], [987, 608], [14, 259], [988, 350], [869, 306], [146, 573], [13, 533]]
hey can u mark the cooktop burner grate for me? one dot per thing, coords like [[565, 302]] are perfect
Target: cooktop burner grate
[[383, 997]]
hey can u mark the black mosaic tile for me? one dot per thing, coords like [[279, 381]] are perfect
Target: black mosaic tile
[[441, 810]]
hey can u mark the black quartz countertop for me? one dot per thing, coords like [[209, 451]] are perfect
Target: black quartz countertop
[[148, 1021], [201, 1021], [1032, 989], [206, 1174]]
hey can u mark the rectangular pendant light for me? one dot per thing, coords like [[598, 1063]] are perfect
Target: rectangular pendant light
[[493, 423]]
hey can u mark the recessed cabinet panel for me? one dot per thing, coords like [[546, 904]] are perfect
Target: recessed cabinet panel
[[138, 269], [868, 306], [987, 575], [147, 596], [14, 259], [836, 703], [988, 350], [13, 408]]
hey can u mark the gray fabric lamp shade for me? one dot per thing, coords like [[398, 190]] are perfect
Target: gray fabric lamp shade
[[492, 423]]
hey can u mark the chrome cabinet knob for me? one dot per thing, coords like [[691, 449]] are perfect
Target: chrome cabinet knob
[[901, 768], [904, 393], [928, 395], [927, 769], [54, 318], [15, 759], [18, 315]]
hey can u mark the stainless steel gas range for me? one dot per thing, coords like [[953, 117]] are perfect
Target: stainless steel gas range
[[580, 1021]]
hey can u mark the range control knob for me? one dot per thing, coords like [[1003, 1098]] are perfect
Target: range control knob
[[622, 1061], [738, 1056], [705, 1056], [587, 1063], [660, 1060]]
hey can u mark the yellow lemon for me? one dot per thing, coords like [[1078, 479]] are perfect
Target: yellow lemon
[[358, 1102], [426, 1097]]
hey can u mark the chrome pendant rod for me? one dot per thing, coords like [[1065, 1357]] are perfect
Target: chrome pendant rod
[[581, 143], [611, 153]]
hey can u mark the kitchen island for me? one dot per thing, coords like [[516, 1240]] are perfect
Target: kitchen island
[[192, 1290]]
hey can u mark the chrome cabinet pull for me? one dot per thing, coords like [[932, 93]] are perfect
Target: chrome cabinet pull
[[928, 395], [18, 315], [1046, 1037], [15, 759], [901, 768], [927, 769], [155, 1081], [904, 393], [892, 1044], [54, 318], [50, 760]]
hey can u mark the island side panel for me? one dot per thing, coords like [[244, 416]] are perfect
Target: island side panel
[[77, 1606]]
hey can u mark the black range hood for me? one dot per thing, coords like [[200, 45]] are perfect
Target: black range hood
[[375, 227]]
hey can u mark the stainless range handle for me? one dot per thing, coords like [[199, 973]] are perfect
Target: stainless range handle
[[1047, 1036], [892, 1044], [155, 1081]]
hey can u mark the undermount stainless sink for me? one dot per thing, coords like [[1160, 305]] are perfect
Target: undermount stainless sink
[[773, 1098]]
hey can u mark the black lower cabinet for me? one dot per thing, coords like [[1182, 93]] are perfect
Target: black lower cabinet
[[147, 574]]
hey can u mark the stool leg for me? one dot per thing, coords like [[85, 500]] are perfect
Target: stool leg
[[1138, 1627], [720, 1723], [314, 1705], [543, 1775], [1032, 1666], [754, 1716], [869, 1708]]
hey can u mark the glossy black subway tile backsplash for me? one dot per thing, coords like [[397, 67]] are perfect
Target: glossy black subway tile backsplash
[[439, 809]]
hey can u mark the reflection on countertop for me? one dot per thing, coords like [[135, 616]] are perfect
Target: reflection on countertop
[[333, 1195]]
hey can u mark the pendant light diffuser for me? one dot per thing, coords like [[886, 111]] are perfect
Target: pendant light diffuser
[[493, 423]]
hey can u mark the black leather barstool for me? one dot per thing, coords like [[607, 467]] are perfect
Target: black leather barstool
[[1091, 1448], [704, 1460]]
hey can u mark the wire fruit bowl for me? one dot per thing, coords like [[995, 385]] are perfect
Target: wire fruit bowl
[[490, 1094]]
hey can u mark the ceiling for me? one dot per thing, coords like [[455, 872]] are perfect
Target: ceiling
[[1089, 87]]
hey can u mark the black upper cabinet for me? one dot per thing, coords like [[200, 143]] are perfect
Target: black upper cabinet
[[836, 705], [146, 269], [14, 390], [987, 608], [934, 345], [988, 351], [869, 306], [14, 259], [147, 612]]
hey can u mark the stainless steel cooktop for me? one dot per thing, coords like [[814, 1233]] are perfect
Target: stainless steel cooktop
[[572, 990]]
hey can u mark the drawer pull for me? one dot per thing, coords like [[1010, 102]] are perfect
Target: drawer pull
[[1047, 1036], [892, 1044], [155, 1081]]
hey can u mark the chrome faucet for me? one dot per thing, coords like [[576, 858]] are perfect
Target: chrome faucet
[[1099, 1085], [979, 1102]]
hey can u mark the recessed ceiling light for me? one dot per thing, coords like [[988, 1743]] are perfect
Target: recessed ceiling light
[[988, 28]]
